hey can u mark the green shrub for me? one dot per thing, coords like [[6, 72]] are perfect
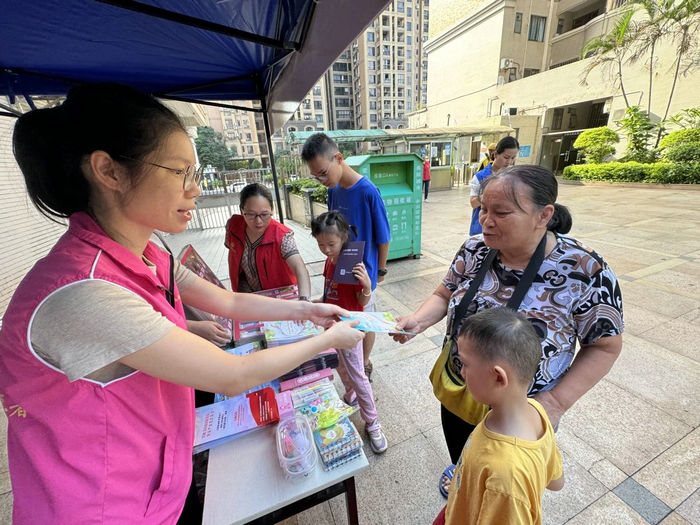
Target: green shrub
[[320, 193], [683, 152], [659, 172], [597, 143], [680, 136]]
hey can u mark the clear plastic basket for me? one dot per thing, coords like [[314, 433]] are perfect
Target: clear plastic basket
[[296, 449]]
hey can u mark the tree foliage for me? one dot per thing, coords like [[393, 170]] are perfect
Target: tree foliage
[[639, 130], [211, 149], [597, 143]]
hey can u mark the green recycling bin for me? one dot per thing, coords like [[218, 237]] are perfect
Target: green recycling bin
[[399, 177]]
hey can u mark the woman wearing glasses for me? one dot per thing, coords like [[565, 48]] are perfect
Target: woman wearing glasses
[[96, 364], [262, 253]]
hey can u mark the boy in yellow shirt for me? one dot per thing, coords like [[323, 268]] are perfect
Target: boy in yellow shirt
[[511, 455]]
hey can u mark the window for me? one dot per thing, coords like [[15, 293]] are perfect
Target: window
[[371, 51], [317, 90], [409, 26], [386, 63], [371, 79], [557, 118], [340, 66], [529, 71], [373, 117], [371, 65], [372, 104], [291, 129], [307, 116], [372, 92], [537, 24], [345, 79], [343, 114], [319, 119], [409, 53], [409, 11], [518, 26], [409, 40], [248, 137], [229, 123], [408, 67], [250, 149], [425, 15], [342, 102], [399, 6], [425, 27], [318, 104], [370, 36]]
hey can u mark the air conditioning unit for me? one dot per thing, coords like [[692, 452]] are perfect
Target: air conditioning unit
[[507, 63], [508, 111]]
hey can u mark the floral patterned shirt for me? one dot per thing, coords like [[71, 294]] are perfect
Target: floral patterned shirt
[[575, 296]]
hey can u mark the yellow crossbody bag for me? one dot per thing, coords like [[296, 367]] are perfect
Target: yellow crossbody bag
[[448, 385]]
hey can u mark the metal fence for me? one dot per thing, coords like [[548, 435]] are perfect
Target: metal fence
[[220, 197]]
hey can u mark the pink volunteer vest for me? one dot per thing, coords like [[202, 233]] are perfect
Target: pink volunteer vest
[[84, 452]]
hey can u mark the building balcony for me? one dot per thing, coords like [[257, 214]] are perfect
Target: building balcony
[[567, 47]]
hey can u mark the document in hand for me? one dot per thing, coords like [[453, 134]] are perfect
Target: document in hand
[[191, 260], [382, 322], [348, 258]]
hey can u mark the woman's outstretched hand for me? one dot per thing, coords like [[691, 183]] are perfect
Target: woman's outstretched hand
[[409, 324], [324, 314], [344, 335]]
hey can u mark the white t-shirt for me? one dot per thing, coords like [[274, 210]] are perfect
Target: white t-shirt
[[84, 328]]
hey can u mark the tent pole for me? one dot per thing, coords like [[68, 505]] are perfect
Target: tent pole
[[271, 156]]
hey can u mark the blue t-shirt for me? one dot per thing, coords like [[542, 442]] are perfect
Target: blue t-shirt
[[475, 226], [362, 206]]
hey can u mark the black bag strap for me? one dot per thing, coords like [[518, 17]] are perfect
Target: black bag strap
[[518, 294], [170, 292]]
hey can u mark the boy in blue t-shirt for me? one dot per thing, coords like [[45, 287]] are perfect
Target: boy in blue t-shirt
[[360, 203]]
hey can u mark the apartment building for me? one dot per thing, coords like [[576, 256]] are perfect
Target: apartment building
[[389, 66], [241, 129], [518, 63]]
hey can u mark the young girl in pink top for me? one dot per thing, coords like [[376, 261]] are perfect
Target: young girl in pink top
[[332, 231]]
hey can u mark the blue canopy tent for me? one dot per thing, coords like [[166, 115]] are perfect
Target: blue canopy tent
[[204, 51]]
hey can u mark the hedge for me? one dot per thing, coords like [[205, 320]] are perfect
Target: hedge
[[680, 136], [685, 152], [320, 193], [659, 172]]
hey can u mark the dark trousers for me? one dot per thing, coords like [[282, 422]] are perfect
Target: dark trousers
[[426, 185], [456, 432]]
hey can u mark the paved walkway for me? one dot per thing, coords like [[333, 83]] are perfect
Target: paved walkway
[[631, 446]]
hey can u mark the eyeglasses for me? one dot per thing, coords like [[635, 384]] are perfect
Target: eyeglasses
[[252, 216], [324, 173], [191, 175]]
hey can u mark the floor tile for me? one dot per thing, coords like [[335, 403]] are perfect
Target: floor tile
[[690, 508], [608, 510], [399, 487], [580, 490], [622, 427], [656, 300], [679, 336], [675, 519], [607, 473], [662, 377], [674, 475], [641, 500]]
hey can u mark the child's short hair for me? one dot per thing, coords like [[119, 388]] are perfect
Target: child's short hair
[[500, 334], [332, 222], [318, 145]]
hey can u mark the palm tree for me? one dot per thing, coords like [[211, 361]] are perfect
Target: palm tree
[[648, 32], [611, 50]]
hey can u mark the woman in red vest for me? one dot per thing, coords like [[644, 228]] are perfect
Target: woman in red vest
[[262, 253]]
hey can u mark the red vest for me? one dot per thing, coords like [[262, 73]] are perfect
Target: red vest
[[273, 271], [83, 451]]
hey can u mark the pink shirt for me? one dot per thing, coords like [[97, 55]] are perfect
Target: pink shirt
[[83, 451]]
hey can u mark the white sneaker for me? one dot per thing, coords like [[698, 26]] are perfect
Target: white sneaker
[[377, 440]]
